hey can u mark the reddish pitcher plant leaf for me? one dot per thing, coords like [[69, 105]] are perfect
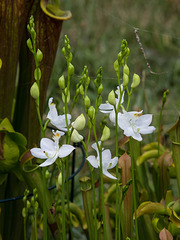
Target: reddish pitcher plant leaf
[[165, 235]]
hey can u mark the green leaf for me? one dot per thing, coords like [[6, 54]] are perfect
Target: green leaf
[[150, 208]]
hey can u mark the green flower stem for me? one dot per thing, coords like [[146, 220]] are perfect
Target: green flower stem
[[63, 202], [129, 97], [25, 221], [43, 177], [101, 182], [134, 188], [93, 187], [117, 220]]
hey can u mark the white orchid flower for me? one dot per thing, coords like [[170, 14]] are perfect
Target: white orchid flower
[[50, 150], [109, 108], [56, 120], [134, 124], [107, 162]]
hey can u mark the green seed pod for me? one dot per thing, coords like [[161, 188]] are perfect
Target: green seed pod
[[136, 81], [34, 91]]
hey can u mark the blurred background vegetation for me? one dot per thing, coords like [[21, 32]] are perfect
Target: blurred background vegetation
[[96, 31]]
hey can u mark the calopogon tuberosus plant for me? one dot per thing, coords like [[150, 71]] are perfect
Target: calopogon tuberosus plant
[[118, 200]]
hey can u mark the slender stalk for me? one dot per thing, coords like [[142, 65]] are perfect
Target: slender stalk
[[134, 188], [25, 228], [101, 182], [63, 203]]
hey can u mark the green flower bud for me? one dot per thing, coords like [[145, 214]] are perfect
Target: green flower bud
[[79, 123], [24, 214], [126, 70], [116, 66], [100, 89], [91, 112], [67, 93], [29, 44], [76, 137], [47, 174], [106, 134], [64, 51], [81, 90], [125, 80], [111, 98], [70, 69], [61, 82], [28, 204], [59, 181], [33, 34], [39, 55], [99, 101], [136, 81], [34, 91], [87, 102], [37, 74]]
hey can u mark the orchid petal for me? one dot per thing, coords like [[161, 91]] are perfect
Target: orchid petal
[[49, 161], [38, 153], [107, 174], [113, 162], [47, 144], [93, 161], [65, 150]]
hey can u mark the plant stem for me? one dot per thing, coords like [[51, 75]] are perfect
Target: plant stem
[[134, 188], [63, 203]]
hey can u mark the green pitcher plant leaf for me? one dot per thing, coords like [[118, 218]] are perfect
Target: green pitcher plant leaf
[[174, 134], [12, 145], [150, 208], [54, 12]]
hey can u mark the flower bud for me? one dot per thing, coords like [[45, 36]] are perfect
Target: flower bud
[[116, 66], [106, 134], [39, 55], [34, 91], [59, 181], [91, 112], [136, 81], [37, 74], [79, 123], [61, 82], [126, 69], [100, 89], [67, 93], [76, 137], [64, 51], [87, 102], [47, 174], [111, 98], [29, 44], [125, 80], [70, 69], [81, 90]]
